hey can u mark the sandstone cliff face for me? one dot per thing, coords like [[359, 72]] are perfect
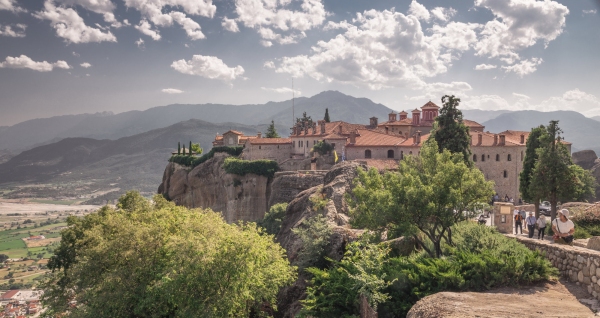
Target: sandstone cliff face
[[238, 198], [587, 159]]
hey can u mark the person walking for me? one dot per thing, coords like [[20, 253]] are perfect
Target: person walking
[[563, 228], [530, 220], [518, 222], [541, 222]]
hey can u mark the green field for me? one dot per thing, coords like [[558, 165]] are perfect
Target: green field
[[11, 242]]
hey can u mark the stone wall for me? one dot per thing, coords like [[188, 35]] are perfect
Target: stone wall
[[494, 170], [578, 264], [276, 152]]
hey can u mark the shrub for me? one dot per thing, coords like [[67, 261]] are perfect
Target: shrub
[[191, 161], [315, 236], [273, 219], [240, 167], [322, 147], [319, 201]]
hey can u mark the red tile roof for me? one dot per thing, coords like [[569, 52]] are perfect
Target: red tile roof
[[9, 294], [470, 123], [270, 141], [369, 138], [403, 122], [234, 131], [430, 105], [332, 128]]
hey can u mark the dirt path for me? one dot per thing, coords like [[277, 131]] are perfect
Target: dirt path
[[553, 299]]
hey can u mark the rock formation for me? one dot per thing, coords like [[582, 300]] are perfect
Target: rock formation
[[587, 159]]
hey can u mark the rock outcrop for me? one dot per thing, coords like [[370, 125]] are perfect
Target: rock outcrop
[[238, 198], [585, 158], [335, 184]]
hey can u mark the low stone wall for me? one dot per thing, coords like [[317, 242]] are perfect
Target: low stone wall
[[578, 264]]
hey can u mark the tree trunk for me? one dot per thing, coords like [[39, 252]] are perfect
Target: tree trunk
[[438, 248], [536, 203], [553, 203], [450, 237]]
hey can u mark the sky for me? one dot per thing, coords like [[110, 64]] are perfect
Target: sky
[[62, 57]]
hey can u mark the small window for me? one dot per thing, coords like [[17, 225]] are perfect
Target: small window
[[390, 154], [277, 146], [231, 140], [410, 153], [333, 144], [475, 158], [259, 147], [482, 157], [367, 154], [401, 154], [509, 158], [497, 157], [314, 142], [505, 174]]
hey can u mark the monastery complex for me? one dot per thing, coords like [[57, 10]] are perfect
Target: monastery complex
[[499, 156]]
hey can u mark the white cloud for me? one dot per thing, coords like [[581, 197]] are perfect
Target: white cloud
[[519, 24], [76, 54], [140, 43], [443, 14], [524, 67], [157, 12], [383, 49], [11, 5], [273, 18], [282, 90], [24, 61], [435, 90], [419, 11], [481, 67], [594, 11], [70, 26], [17, 32], [85, 65], [103, 7], [230, 25], [269, 64], [145, 28], [208, 66], [171, 91], [521, 96]]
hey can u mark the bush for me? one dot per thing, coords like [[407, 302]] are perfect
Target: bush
[[191, 161], [322, 147], [315, 236], [481, 258], [273, 219], [319, 201], [240, 167]]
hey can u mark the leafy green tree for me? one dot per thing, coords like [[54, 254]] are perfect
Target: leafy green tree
[[531, 157], [553, 176], [3, 258], [450, 132], [156, 259], [315, 235], [273, 219], [305, 121], [322, 147], [326, 118], [428, 195], [197, 149], [586, 185], [271, 131]]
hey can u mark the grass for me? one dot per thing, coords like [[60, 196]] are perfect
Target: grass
[[11, 242]]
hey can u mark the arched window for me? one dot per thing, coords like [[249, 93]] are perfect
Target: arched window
[[231, 140], [497, 157], [475, 158], [367, 154], [482, 157], [391, 154], [509, 158], [505, 174], [410, 153], [259, 147]]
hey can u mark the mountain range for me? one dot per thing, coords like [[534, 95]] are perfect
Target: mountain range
[[129, 150]]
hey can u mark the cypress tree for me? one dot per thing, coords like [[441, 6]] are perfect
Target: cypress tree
[[271, 131], [451, 133], [178, 148], [327, 120], [190, 149], [531, 156]]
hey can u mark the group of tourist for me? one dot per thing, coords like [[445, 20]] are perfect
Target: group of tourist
[[562, 227], [497, 198]]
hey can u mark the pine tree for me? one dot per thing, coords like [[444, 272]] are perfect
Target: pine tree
[[531, 157], [178, 148], [327, 120], [450, 132], [271, 131]]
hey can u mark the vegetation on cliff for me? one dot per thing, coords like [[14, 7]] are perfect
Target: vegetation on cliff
[[241, 167], [192, 161], [155, 259]]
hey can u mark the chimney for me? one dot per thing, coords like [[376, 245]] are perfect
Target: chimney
[[416, 117], [322, 125], [495, 140], [259, 135], [353, 137], [502, 140], [403, 115], [392, 117], [314, 128], [373, 121], [479, 139], [340, 129], [522, 138]]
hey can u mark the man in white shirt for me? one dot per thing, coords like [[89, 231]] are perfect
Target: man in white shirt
[[541, 222], [530, 221], [563, 228]]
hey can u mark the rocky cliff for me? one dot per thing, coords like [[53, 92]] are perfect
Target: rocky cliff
[[588, 160], [238, 198]]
